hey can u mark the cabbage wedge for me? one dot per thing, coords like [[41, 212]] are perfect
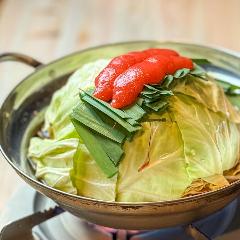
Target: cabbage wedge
[[193, 147]]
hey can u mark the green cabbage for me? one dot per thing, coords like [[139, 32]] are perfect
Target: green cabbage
[[164, 177], [89, 179], [53, 159], [57, 120], [198, 137]]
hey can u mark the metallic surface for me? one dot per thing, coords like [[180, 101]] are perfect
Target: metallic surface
[[19, 58], [21, 229], [18, 122], [195, 233], [26, 201]]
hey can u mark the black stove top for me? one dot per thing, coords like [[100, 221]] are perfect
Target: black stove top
[[223, 225]]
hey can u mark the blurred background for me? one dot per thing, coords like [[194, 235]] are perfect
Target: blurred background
[[49, 29]]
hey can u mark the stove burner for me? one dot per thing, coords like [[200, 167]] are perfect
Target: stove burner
[[121, 234], [69, 227], [204, 229], [195, 233]]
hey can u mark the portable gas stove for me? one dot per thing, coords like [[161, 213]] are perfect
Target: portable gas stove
[[223, 225]]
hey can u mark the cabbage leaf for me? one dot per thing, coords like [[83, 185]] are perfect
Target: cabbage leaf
[[57, 120], [159, 147], [53, 159], [89, 179]]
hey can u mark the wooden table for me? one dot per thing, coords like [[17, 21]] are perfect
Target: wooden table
[[49, 29]]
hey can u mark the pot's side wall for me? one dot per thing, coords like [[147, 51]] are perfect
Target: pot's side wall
[[142, 216]]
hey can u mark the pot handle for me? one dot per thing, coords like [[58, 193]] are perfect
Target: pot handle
[[11, 56]]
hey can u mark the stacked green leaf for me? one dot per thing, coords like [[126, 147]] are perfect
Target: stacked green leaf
[[104, 129]]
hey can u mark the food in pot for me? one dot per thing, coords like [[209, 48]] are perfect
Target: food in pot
[[145, 126]]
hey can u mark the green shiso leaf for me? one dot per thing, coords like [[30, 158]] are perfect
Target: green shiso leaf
[[232, 91], [198, 71], [155, 97], [167, 81], [229, 89], [181, 73], [157, 106], [201, 61], [235, 100]]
